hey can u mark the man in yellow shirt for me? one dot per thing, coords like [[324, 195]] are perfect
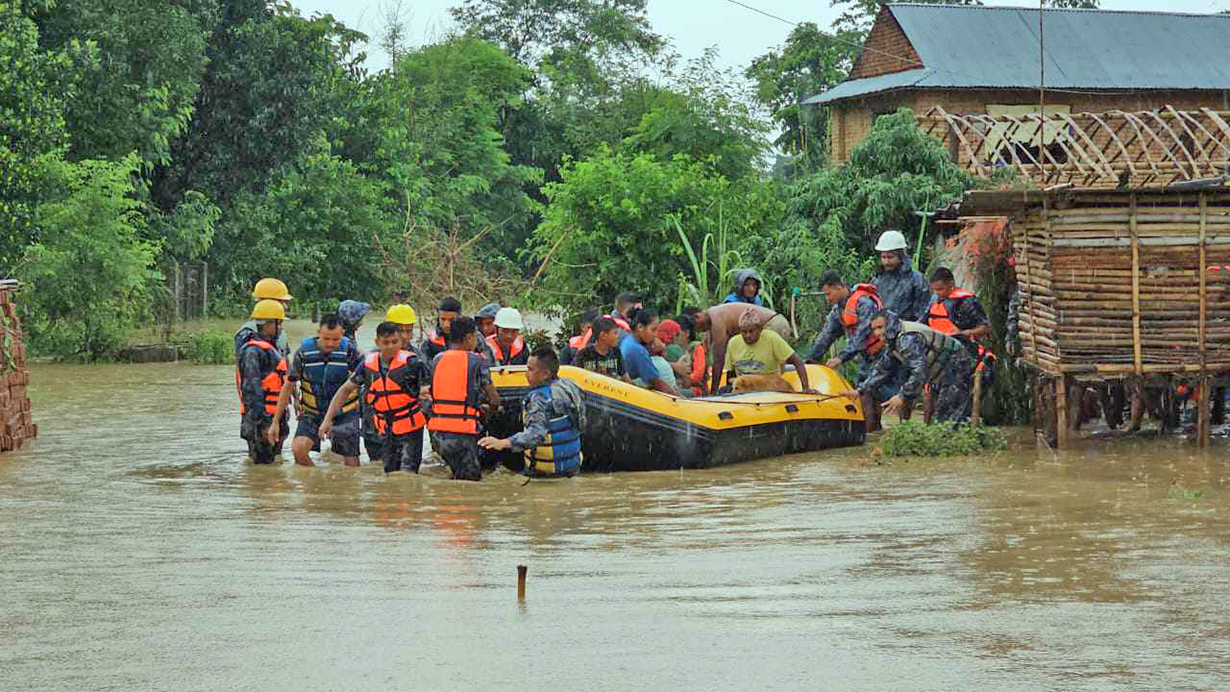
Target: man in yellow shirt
[[754, 351]]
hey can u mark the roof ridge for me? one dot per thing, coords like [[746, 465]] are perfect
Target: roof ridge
[[1019, 8]]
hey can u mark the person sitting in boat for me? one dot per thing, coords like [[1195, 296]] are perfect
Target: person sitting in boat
[[722, 323], [757, 352], [693, 351], [603, 355], [657, 356], [553, 416], [674, 342], [929, 357], [577, 341], [746, 289], [634, 349]]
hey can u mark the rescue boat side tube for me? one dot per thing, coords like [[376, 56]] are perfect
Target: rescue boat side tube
[[635, 429]]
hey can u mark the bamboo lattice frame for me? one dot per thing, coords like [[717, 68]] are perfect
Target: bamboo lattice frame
[[1111, 149]]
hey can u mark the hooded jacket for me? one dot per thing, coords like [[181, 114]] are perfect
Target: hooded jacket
[[736, 295], [904, 291]]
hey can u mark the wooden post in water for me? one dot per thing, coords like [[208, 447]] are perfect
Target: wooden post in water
[[521, 572], [1061, 410]]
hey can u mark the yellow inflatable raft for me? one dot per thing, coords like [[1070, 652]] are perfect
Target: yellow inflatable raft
[[635, 429]]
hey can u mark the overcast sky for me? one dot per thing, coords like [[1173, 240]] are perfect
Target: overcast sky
[[692, 25]]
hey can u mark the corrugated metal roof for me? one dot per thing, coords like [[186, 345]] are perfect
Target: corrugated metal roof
[[975, 46], [871, 85]]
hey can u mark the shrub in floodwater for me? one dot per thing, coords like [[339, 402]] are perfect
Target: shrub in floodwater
[[917, 439], [211, 347]]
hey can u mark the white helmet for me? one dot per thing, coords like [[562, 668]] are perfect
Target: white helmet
[[509, 318], [891, 240]]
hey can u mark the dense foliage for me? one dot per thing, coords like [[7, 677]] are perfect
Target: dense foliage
[[550, 153]]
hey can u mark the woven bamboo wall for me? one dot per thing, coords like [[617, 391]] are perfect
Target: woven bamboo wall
[[15, 424], [1124, 282]]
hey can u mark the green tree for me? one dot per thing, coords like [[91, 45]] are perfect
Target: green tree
[[894, 172], [588, 59], [609, 226], [531, 30], [430, 132], [32, 130], [136, 77], [315, 224], [275, 81], [702, 115], [808, 63], [90, 269]]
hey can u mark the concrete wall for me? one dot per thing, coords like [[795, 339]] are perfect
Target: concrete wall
[[15, 424]]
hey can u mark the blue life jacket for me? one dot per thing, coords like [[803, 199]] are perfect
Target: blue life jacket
[[323, 375], [560, 453], [733, 297]]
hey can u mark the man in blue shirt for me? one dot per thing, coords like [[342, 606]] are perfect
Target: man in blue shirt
[[633, 348]]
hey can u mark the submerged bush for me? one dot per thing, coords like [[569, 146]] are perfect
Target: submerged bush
[[211, 347], [917, 439]]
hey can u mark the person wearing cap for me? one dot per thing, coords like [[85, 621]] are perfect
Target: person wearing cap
[[260, 375], [747, 288], [507, 346], [352, 312], [433, 344], [903, 290], [722, 323], [403, 315], [757, 351], [265, 289], [485, 319]]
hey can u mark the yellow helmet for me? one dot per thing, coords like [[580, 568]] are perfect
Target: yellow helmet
[[268, 310], [401, 314], [272, 289]]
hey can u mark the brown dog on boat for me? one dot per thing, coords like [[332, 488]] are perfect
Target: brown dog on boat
[[771, 382]]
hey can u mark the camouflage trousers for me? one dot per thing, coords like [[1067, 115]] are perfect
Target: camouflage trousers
[[952, 394]]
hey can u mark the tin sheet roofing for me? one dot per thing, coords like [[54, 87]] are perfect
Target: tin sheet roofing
[[997, 47]]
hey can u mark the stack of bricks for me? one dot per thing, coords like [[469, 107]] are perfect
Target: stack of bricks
[[15, 424]]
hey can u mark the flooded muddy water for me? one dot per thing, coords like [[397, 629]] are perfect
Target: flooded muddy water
[[140, 552]]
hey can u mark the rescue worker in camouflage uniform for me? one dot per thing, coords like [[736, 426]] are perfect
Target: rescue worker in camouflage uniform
[[851, 317], [930, 358], [903, 290], [260, 376], [553, 414], [265, 289], [958, 313]]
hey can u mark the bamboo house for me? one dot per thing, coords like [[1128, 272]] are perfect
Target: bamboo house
[[1125, 284]]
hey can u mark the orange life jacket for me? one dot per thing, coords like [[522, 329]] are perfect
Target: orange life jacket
[[452, 408], [577, 342], [939, 318], [616, 317], [849, 316], [386, 399], [271, 382], [518, 345]]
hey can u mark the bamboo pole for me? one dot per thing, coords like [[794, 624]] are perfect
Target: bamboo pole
[[1202, 424], [1135, 286]]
